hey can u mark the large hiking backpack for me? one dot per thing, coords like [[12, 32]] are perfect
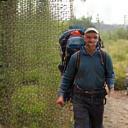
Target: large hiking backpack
[[70, 42]]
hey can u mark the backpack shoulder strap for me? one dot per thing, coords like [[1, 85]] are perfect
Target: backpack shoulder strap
[[78, 60], [103, 59], [77, 63], [103, 53]]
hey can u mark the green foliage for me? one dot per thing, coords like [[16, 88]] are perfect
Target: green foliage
[[29, 75], [119, 53], [33, 106], [25, 100], [28, 103], [120, 33], [85, 22]]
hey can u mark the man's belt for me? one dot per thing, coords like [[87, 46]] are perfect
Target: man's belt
[[79, 90]]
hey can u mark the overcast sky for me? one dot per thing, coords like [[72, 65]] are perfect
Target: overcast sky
[[110, 11]]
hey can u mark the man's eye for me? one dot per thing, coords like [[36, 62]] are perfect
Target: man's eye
[[95, 37], [89, 37]]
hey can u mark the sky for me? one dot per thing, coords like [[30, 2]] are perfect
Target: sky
[[109, 11]]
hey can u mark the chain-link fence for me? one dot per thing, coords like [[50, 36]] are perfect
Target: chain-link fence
[[29, 56]]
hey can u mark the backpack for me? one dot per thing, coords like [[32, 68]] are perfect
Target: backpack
[[70, 42]]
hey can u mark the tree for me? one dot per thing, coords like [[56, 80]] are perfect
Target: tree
[[85, 22]]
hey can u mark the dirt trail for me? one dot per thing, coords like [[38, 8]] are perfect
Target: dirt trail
[[116, 111]]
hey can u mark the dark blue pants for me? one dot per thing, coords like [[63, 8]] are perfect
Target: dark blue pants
[[88, 111]]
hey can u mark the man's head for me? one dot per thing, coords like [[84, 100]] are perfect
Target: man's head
[[91, 36]]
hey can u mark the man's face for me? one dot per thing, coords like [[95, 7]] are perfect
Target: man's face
[[91, 40]]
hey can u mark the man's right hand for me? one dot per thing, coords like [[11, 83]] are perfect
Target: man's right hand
[[60, 101], [111, 92]]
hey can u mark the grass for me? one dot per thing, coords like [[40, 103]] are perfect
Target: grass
[[119, 53]]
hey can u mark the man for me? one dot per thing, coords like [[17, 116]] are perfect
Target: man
[[89, 81]]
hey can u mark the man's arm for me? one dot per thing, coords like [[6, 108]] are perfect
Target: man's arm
[[110, 75], [67, 79]]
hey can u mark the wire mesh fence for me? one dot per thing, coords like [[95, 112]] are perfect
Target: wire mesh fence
[[29, 57]]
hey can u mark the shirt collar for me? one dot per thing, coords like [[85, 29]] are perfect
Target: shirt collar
[[84, 51]]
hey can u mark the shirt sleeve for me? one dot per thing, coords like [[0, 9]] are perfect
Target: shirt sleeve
[[110, 75], [68, 77]]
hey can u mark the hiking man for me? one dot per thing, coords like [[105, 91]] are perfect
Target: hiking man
[[88, 91]]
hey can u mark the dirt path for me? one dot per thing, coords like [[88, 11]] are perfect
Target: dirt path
[[116, 111]]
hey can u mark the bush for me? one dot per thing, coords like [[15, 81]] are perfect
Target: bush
[[28, 107], [33, 106], [118, 51]]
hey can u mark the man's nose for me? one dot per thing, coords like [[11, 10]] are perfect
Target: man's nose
[[92, 40]]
